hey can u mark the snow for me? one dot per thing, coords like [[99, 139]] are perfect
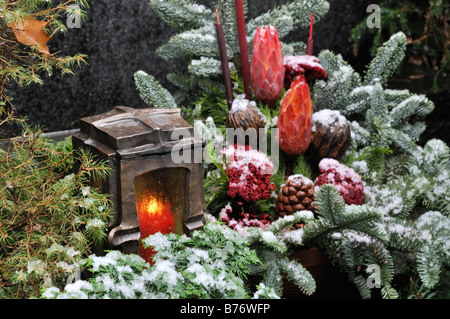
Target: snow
[[37, 266], [197, 36], [158, 241], [294, 237], [103, 261], [355, 237], [269, 237], [240, 103], [143, 73], [49, 293], [305, 214], [298, 63], [263, 290], [208, 280], [327, 164], [298, 178], [166, 269], [198, 255], [368, 89], [392, 202], [342, 74], [239, 157], [435, 227], [198, 8], [95, 223], [75, 289], [361, 166], [414, 170], [272, 31], [328, 118], [434, 149]]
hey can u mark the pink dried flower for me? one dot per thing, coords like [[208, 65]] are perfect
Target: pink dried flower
[[346, 180], [306, 65], [249, 173]]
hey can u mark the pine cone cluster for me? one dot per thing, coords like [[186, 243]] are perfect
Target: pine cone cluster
[[297, 194]]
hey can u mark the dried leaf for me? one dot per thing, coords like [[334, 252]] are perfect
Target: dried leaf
[[31, 31]]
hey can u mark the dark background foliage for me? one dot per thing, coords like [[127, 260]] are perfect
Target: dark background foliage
[[121, 37]]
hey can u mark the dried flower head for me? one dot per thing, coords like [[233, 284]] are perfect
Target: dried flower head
[[249, 173], [346, 180]]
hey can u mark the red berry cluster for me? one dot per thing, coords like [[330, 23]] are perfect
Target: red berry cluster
[[249, 184], [346, 180], [249, 173], [241, 219]]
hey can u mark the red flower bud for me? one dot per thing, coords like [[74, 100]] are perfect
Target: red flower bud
[[295, 119], [267, 70]]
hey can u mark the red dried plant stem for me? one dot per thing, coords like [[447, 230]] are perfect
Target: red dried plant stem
[[310, 43]]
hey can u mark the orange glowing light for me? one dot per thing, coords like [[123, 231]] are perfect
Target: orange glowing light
[[154, 216], [152, 207]]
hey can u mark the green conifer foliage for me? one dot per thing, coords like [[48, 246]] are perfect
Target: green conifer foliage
[[403, 179], [50, 218]]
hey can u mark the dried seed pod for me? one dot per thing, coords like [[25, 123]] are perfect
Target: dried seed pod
[[331, 135], [245, 114]]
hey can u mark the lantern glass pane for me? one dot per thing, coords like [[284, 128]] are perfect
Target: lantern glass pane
[[160, 199]]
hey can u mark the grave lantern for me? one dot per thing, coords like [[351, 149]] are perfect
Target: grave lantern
[[156, 182]]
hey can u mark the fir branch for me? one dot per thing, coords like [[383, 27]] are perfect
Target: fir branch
[[396, 166], [299, 275], [417, 105], [152, 92], [294, 48], [193, 43], [361, 284], [428, 265], [298, 10], [334, 93], [207, 67], [387, 60], [302, 167], [181, 14], [329, 203], [388, 292], [45, 206], [334, 216]]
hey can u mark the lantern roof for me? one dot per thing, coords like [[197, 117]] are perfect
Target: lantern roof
[[134, 132]]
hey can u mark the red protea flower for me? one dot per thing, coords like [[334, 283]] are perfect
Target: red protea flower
[[267, 70], [295, 118], [346, 180]]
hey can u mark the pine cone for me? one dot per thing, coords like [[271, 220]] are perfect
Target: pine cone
[[297, 194]]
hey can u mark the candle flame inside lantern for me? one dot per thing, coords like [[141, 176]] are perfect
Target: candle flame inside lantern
[[154, 216]]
